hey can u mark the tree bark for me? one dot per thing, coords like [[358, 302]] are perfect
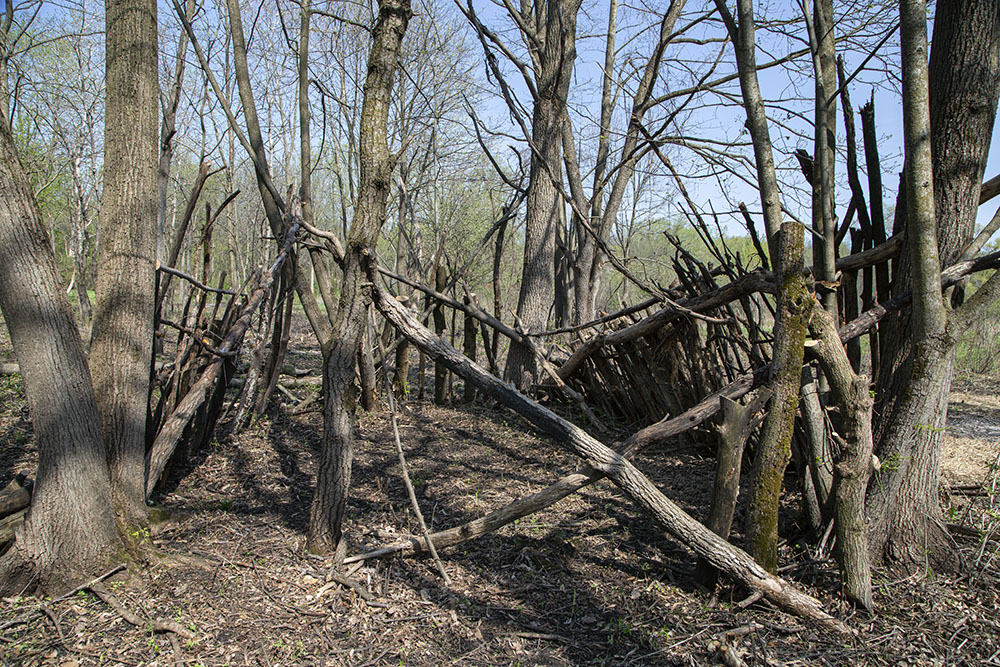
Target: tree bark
[[81, 244], [585, 278], [950, 134], [440, 372], [785, 244], [122, 336], [336, 454], [70, 529], [736, 426], [825, 74], [554, 70], [469, 329], [853, 464]]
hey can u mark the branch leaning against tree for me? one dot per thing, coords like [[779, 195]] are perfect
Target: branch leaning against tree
[[727, 558], [657, 433]]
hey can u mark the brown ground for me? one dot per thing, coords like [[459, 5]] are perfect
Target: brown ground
[[589, 581]]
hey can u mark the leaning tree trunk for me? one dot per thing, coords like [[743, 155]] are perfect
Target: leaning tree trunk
[[544, 201], [914, 378], [122, 338], [70, 528], [339, 395]]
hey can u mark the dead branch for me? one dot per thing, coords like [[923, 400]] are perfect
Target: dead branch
[[15, 496], [175, 425], [191, 279], [727, 558]]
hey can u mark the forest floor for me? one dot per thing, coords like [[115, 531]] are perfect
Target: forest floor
[[588, 581]]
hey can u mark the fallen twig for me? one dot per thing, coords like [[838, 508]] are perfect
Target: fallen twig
[[38, 611]]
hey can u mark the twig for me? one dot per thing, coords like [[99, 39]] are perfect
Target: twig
[[352, 584], [159, 626], [176, 646], [48, 611], [197, 338], [191, 279], [390, 397], [37, 611], [113, 602]]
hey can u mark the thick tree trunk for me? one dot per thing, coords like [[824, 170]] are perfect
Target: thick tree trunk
[[337, 452], [70, 528], [544, 201], [915, 376], [122, 337]]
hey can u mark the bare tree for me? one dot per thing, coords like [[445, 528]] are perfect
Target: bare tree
[[549, 29], [785, 241]]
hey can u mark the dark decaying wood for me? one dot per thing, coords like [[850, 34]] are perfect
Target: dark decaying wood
[[737, 423], [727, 558], [440, 372], [469, 329], [15, 496]]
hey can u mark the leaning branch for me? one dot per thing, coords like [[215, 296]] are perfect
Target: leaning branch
[[727, 558], [174, 426]]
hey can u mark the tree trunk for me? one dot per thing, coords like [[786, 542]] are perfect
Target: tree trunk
[[737, 424], [825, 74], [70, 528], [78, 215], [168, 128], [469, 329], [853, 464], [440, 372], [916, 359], [586, 280], [785, 245], [122, 338], [544, 201], [337, 452]]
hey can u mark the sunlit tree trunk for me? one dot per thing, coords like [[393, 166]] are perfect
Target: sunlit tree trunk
[[554, 68], [122, 336], [951, 140], [334, 471]]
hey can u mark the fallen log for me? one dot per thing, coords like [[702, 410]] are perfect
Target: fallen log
[[725, 557], [15, 496], [659, 432], [9, 369], [7, 526]]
